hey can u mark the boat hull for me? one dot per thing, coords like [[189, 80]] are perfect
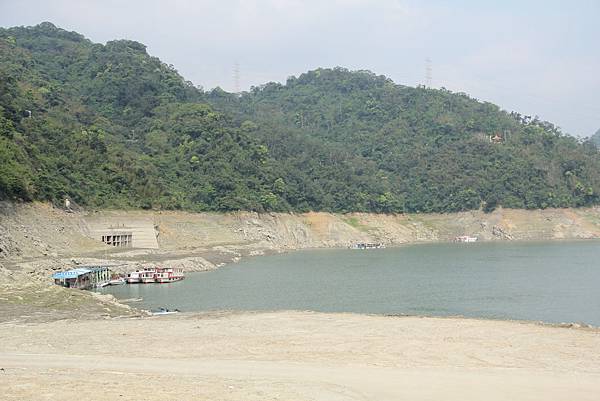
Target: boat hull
[[163, 280]]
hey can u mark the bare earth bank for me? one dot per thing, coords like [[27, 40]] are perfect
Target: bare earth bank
[[297, 356], [37, 239], [60, 344]]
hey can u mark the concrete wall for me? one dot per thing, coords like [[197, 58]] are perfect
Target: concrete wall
[[141, 227]]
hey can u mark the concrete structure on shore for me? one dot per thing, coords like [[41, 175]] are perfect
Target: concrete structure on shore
[[123, 232]]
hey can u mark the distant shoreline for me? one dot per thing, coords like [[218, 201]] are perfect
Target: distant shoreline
[[285, 272], [38, 239]]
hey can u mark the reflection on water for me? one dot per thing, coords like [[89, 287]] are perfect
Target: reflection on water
[[550, 281]]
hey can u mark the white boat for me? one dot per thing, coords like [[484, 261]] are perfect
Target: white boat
[[117, 281], [465, 238], [147, 276], [168, 274], [134, 277], [159, 275]]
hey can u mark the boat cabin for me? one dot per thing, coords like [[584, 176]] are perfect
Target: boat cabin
[[84, 277], [75, 278]]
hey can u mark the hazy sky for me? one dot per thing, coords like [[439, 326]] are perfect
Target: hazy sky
[[536, 57]]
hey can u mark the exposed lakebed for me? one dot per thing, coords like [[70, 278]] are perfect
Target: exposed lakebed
[[548, 281]]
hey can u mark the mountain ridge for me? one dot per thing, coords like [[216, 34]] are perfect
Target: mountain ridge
[[111, 126]]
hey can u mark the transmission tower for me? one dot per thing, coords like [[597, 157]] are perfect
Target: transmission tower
[[236, 77], [428, 73]]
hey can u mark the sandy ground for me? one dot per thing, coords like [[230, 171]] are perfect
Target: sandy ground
[[297, 356], [270, 356]]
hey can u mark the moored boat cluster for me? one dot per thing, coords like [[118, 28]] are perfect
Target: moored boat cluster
[[89, 277], [155, 275]]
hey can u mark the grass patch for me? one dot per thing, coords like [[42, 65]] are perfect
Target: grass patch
[[355, 222]]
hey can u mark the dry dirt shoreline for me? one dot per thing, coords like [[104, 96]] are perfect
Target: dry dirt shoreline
[[59, 344], [297, 356], [37, 239]]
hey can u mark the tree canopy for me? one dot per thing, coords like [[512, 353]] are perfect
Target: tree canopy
[[111, 126]]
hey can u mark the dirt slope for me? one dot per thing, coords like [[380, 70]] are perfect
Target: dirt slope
[[37, 239], [30, 231]]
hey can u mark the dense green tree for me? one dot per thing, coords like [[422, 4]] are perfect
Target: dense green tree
[[110, 126], [392, 148]]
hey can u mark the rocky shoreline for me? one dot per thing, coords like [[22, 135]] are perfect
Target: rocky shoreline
[[37, 239], [271, 355]]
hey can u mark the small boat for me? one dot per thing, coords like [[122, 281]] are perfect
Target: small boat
[[141, 276], [117, 281], [368, 245], [147, 276], [133, 277], [465, 238], [164, 311], [168, 274]]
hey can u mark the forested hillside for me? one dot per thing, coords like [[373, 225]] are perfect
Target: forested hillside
[[109, 125], [373, 145]]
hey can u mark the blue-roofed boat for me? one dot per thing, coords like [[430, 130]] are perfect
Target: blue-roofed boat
[[84, 278]]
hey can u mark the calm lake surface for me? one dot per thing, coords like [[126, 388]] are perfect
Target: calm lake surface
[[547, 281]]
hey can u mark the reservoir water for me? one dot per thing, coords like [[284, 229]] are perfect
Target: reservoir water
[[547, 281]]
